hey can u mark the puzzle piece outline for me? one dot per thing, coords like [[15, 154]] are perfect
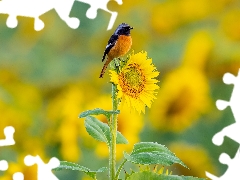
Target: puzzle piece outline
[[18, 176], [233, 167], [36, 8], [8, 141], [3, 165], [102, 4], [44, 170], [8, 132], [231, 131]]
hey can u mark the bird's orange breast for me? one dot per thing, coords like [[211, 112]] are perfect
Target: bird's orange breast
[[121, 47]]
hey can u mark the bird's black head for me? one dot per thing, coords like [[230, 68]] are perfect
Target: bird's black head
[[123, 29]]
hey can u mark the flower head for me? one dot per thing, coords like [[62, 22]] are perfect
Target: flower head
[[135, 81], [183, 98]]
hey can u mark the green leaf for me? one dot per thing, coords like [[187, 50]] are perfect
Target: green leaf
[[98, 111], [101, 131], [97, 129], [152, 153], [146, 175], [77, 167]]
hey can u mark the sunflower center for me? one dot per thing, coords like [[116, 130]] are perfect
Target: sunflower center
[[132, 81], [179, 104]]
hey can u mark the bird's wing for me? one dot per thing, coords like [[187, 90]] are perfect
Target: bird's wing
[[112, 41]]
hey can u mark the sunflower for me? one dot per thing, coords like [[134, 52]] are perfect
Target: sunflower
[[135, 82], [184, 96]]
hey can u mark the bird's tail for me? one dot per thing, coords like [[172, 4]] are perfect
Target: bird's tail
[[105, 67]]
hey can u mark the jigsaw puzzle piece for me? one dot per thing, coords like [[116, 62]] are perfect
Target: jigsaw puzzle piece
[[231, 131], [38, 24], [234, 101], [100, 4], [63, 8], [233, 167], [25, 8], [8, 132], [3, 165], [12, 21], [228, 78], [112, 20], [5, 8], [36, 8], [18, 176], [95, 5], [235, 98], [44, 170], [221, 104]]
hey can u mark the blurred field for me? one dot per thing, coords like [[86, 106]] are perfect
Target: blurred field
[[48, 77]]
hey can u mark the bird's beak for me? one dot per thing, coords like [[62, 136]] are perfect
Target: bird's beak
[[131, 27]]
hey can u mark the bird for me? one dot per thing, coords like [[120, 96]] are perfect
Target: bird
[[118, 45]]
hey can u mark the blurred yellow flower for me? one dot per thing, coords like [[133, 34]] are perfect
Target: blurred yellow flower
[[231, 24], [167, 16], [164, 17], [183, 97], [129, 124], [135, 82], [193, 10], [63, 110], [198, 50], [129, 6], [195, 157], [20, 107]]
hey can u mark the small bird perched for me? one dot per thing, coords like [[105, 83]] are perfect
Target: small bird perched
[[118, 45]]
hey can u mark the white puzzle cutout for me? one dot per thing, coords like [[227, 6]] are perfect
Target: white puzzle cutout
[[233, 167], [8, 141], [232, 131], [8, 132], [36, 8], [18, 176], [3, 165], [101, 4], [44, 170]]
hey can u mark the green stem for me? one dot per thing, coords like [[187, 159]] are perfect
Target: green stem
[[120, 168], [113, 129]]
